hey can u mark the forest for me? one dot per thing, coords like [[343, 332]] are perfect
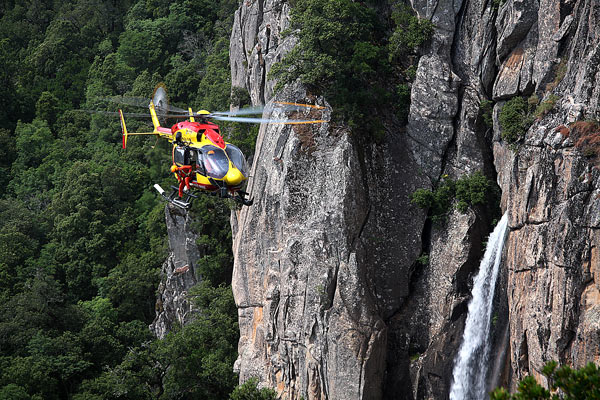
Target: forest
[[82, 235]]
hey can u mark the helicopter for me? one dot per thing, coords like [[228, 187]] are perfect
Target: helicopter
[[202, 161]]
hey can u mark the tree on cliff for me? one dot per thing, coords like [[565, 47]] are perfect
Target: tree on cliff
[[565, 383], [360, 57]]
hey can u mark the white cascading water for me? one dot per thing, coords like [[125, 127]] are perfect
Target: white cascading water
[[471, 364]]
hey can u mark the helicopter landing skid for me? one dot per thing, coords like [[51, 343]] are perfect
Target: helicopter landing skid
[[174, 199], [238, 197]]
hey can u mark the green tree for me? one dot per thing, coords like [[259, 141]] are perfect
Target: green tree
[[472, 190], [9, 104], [13, 392], [565, 383], [8, 153], [345, 52], [202, 353], [514, 120], [47, 107], [249, 391], [336, 52], [131, 285], [212, 215], [82, 233], [410, 33], [467, 191], [193, 361]]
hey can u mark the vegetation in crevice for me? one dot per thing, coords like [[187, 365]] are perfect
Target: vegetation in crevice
[[486, 108], [423, 259], [515, 119], [518, 114], [560, 70], [545, 106], [585, 135], [496, 4], [467, 191]]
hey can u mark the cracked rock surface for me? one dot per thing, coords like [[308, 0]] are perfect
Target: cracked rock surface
[[178, 274], [332, 303]]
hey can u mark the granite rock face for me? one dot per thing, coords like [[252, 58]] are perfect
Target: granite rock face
[[325, 255], [178, 273], [547, 303], [312, 306], [551, 190], [256, 44], [332, 301]]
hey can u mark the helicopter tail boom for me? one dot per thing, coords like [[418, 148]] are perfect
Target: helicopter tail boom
[[159, 131]]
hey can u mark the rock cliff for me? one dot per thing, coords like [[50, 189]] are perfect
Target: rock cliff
[[178, 273], [332, 303], [551, 186]]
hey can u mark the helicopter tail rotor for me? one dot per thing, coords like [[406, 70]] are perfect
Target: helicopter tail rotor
[[160, 99]]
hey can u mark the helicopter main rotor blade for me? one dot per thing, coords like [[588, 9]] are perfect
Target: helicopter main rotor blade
[[267, 120], [241, 111], [127, 100], [297, 106], [143, 102], [279, 105], [141, 115]]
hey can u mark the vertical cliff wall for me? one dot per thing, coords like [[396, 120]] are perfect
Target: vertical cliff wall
[[551, 185], [331, 301], [324, 257]]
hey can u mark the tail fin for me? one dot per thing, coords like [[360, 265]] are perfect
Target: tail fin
[[155, 121], [123, 128], [191, 114]]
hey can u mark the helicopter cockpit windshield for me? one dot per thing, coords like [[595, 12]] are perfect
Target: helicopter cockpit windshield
[[237, 158], [214, 160]]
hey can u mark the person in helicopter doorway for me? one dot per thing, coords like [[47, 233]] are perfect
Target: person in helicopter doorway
[[183, 164]]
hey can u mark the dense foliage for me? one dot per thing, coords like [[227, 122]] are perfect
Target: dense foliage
[[82, 236], [249, 391], [356, 54], [565, 383], [514, 119], [467, 191]]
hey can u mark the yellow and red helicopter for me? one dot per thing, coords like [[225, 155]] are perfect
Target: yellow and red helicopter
[[202, 161]]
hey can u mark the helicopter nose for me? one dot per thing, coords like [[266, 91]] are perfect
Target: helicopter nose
[[234, 177]]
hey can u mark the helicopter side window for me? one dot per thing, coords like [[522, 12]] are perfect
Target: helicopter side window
[[182, 155], [237, 158], [214, 161]]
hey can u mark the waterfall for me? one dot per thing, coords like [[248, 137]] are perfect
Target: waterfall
[[470, 366]]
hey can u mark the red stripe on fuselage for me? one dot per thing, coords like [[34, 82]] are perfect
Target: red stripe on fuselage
[[209, 129]]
